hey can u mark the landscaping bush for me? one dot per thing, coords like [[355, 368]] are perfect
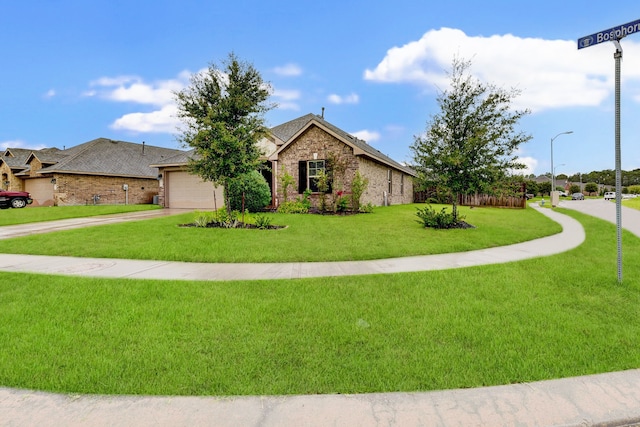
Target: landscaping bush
[[256, 190], [432, 219]]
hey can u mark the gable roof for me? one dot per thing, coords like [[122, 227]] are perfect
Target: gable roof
[[104, 156], [289, 131], [16, 158]]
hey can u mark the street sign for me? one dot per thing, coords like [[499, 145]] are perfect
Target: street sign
[[615, 33]]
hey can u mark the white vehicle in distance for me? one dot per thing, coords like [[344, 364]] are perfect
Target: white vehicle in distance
[[610, 195]]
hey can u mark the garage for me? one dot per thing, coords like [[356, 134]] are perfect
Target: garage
[[41, 190], [186, 191]]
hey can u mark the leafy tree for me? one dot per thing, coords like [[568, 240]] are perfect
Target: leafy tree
[[532, 186], [575, 188], [544, 188], [591, 187], [222, 112], [470, 144]]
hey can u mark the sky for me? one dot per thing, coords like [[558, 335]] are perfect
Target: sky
[[75, 70]]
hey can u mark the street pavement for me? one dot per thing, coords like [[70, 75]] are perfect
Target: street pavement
[[611, 399]]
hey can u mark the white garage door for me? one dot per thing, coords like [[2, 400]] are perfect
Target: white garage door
[[41, 190], [187, 191]]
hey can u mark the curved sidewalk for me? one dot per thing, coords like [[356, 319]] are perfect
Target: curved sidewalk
[[571, 236], [611, 399]]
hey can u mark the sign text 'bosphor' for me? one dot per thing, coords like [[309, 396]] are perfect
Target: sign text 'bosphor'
[[615, 33]]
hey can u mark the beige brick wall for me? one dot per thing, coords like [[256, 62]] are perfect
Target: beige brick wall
[[15, 183], [401, 184], [80, 189], [314, 140]]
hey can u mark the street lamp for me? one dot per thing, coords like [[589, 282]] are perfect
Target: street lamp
[[553, 179]]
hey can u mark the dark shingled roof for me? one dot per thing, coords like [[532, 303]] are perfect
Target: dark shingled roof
[[104, 156], [16, 158]]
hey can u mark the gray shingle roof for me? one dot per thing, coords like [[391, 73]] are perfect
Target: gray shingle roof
[[16, 158], [104, 156]]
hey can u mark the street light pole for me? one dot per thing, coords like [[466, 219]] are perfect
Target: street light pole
[[553, 179]]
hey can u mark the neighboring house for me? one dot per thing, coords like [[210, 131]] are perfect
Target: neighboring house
[[302, 147], [101, 171]]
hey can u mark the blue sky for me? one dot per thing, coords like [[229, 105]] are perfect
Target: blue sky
[[76, 70]]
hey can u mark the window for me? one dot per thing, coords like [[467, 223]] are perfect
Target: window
[[402, 184], [315, 168], [390, 180]]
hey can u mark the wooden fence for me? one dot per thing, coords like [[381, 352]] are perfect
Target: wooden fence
[[484, 200]]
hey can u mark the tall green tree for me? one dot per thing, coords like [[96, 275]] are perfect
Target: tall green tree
[[222, 111], [471, 144]]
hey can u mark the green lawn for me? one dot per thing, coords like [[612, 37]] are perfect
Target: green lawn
[[538, 319], [632, 203], [388, 232], [39, 214]]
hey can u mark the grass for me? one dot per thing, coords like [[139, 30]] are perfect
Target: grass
[[632, 203], [388, 232], [39, 214], [538, 319]]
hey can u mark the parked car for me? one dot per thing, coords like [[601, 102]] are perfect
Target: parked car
[[14, 199], [577, 196], [563, 194], [610, 195]]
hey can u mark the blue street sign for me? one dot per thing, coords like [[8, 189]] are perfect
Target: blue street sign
[[615, 33]]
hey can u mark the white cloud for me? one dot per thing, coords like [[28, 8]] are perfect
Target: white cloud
[[132, 89], [164, 120], [286, 99], [16, 143], [288, 70], [352, 98], [367, 135], [530, 166], [50, 93], [550, 73]]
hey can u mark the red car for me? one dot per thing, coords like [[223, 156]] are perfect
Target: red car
[[14, 199]]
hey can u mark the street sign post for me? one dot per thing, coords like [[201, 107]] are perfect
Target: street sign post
[[614, 35]]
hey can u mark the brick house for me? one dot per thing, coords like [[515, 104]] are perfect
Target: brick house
[[101, 171], [302, 147]]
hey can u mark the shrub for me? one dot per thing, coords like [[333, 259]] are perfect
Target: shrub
[[293, 206], [432, 219], [202, 219], [263, 222], [368, 208], [256, 190]]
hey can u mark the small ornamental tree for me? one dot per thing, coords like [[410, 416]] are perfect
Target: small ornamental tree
[[471, 143], [358, 187], [591, 187], [222, 112]]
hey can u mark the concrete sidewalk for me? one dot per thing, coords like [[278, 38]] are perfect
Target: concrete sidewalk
[[604, 400], [611, 399], [571, 236]]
